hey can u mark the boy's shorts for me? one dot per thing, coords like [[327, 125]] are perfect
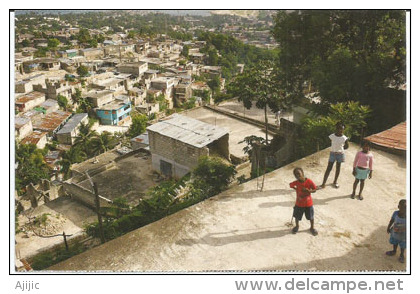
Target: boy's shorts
[[336, 156], [362, 174], [398, 242], [299, 211]]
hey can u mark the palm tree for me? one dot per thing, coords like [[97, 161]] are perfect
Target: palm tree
[[103, 142], [74, 155], [84, 137]]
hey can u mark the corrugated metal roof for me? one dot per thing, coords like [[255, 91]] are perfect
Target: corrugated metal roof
[[393, 138], [143, 138], [34, 137], [188, 130], [73, 122], [49, 103], [52, 121], [21, 121], [30, 96]]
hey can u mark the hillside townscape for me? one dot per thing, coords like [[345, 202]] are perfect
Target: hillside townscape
[[126, 119]]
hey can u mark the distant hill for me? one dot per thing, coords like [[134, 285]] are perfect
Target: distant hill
[[241, 13], [51, 11], [66, 11]]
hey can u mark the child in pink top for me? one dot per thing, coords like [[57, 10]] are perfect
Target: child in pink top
[[362, 168]]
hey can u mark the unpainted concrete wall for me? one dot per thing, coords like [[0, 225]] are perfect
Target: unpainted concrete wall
[[176, 151], [84, 196]]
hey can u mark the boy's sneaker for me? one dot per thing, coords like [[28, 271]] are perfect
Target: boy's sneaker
[[314, 232]]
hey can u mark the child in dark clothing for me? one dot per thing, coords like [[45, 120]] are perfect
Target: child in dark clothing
[[397, 229], [304, 187]]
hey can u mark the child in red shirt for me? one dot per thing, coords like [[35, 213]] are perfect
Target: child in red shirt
[[304, 187]]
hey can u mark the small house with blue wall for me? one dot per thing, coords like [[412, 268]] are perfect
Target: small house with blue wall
[[114, 113]]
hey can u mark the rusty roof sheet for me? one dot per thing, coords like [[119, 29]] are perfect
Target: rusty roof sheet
[[34, 137], [52, 121], [393, 138], [30, 96]]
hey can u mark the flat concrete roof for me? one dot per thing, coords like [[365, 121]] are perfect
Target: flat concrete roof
[[243, 229], [128, 178], [98, 94], [238, 130], [113, 105]]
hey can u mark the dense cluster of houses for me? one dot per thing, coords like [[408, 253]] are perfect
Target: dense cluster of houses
[[123, 75]]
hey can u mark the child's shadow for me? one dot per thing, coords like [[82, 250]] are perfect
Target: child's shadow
[[318, 201]]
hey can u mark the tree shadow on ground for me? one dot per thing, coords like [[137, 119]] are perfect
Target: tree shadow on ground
[[231, 195], [367, 255], [234, 236], [316, 202]]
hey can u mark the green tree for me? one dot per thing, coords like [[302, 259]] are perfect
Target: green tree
[[185, 51], [316, 129], [258, 84], [101, 143], [93, 43], [62, 102], [83, 36], [31, 165], [214, 85], [344, 55], [131, 35], [100, 38], [82, 71], [138, 126], [213, 175], [84, 137], [74, 155], [213, 57], [26, 43], [53, 43]]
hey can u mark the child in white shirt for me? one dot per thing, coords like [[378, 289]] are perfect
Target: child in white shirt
[[339, 142]]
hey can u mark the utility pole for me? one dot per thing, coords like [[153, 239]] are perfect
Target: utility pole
[[97, 205], [65, 241], [97, 208]]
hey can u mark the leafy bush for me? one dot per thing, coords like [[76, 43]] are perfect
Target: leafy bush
[[138, 125], [315, 130], [213, 175], [49, 258]]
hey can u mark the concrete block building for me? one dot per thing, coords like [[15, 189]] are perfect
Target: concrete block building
[[26, 85], [29, 101], [114, 113], [38, 138], [99, 98], [92, 53], [23, 127], [134, 68], [176, 144], [52, 122], [68, 134]]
